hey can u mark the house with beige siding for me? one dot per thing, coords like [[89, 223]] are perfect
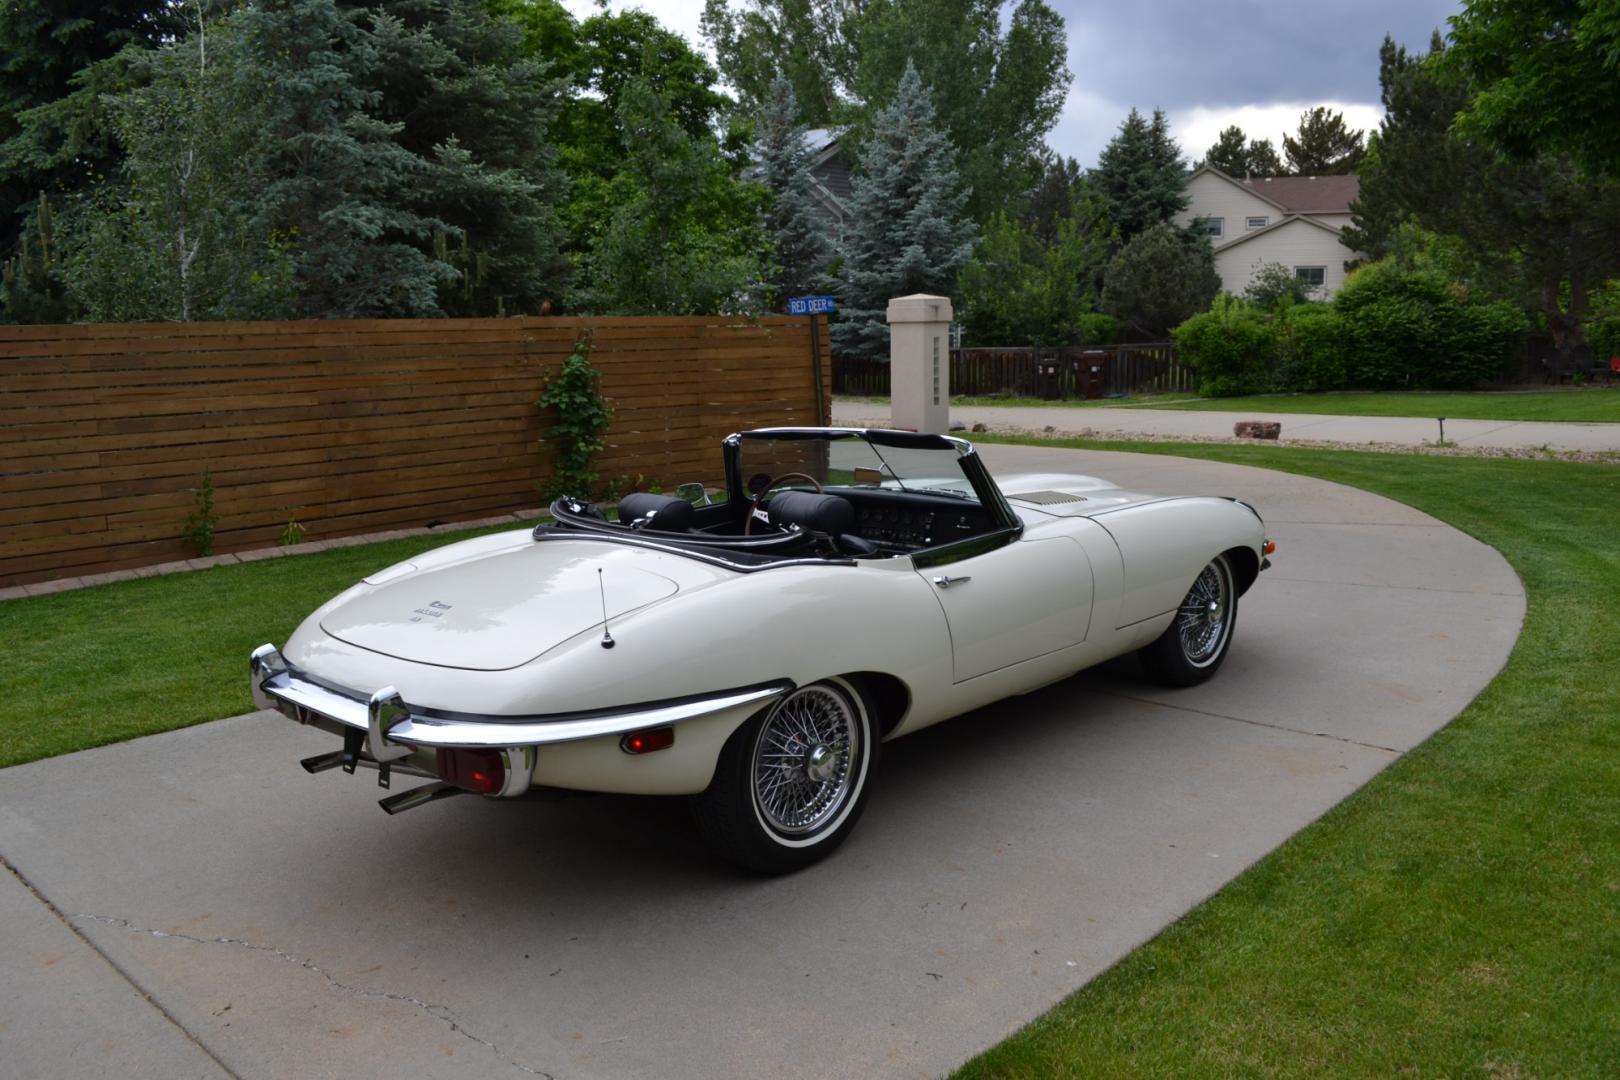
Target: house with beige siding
[[1292, 220]]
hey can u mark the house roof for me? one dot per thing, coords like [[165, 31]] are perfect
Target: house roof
[[1307, 194], [1281, 223], [1296, 194]]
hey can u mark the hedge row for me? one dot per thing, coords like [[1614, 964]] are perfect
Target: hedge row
[[1388, 329]]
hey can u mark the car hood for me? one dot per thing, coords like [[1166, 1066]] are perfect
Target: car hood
[[1064, 495], [490, 609]]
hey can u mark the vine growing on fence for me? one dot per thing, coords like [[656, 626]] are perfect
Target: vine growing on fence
[[198, 528], [582, 414]]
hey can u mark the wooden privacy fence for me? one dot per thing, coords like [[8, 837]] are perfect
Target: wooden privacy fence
[[1055, 373], [350, 427]]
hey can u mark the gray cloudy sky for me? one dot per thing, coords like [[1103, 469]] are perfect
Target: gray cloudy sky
[[1207, 64]]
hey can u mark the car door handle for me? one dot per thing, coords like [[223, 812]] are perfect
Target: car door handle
[[945, 581]]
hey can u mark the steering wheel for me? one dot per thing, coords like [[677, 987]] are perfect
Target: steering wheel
[[759, 496]]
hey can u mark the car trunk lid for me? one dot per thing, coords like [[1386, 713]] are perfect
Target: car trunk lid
[[496, 609]]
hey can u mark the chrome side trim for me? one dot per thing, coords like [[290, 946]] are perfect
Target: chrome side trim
[[694, 550], [398, 727]]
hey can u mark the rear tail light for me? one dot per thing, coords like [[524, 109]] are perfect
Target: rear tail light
[[645, 742], [478, 771]]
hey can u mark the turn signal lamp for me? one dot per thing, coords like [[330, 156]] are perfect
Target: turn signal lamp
[[645, 742], [478, 771], [1271, 547]]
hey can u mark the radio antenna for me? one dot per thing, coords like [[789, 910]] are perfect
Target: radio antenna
[[607, 638]]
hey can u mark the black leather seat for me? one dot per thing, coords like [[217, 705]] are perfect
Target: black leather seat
[[663, 513]]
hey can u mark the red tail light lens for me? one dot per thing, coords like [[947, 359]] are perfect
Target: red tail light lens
[[645, 742], [479, 771]]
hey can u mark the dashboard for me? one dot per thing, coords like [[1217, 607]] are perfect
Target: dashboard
[[909, 521]]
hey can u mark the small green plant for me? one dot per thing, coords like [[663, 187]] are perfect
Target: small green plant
[[198, 528], [292, 534], [582, 414]]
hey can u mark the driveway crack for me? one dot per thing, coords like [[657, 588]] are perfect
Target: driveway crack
[[442, 1013], [1256, 723]]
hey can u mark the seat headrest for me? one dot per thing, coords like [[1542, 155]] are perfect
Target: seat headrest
[[668, 513], [830, 514]]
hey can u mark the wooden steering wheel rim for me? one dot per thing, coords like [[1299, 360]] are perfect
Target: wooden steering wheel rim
[[748, 522]]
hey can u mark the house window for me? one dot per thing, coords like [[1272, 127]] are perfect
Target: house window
[[1314, 276], [1257, 222], [1212, 227]]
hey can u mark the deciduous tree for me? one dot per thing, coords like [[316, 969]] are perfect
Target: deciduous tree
[[1159, 280], [1546, 75]]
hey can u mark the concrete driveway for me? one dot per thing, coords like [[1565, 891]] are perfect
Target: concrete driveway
[[193, 904]]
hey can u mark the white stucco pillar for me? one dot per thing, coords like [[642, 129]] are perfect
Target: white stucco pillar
[[920, 362]]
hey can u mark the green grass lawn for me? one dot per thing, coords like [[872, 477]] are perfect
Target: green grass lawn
[[1599, 405], [1460, 915], [93, 666]]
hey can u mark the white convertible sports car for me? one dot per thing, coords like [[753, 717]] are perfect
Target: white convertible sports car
[[753, 652]]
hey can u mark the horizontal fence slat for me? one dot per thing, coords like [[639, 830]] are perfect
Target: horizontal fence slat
[[350, 426]]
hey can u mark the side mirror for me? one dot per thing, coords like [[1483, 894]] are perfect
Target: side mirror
[[695, 494]]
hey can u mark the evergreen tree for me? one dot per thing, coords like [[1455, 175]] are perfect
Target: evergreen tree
[[1324, 146], [336, 183], [907, 232], [1140, 175], [1159, 280], [31, 286], [1238, 156], [1053, 199], [669, 246], [49, 138], [1263, 159], [795, 230], [466, 101]]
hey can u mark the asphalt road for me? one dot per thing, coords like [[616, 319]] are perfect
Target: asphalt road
[[193, 904]]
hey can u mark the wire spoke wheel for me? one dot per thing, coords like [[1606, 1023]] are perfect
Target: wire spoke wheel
[[804, 758], [1205, 615]]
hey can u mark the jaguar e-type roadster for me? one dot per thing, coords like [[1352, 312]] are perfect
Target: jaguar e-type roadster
[[753, 651]]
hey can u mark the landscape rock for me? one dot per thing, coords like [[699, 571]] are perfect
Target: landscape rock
[[981, 426], [1257, 429], [957, 425]]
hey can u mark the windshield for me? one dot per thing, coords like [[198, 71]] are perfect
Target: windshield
[[852, 461]]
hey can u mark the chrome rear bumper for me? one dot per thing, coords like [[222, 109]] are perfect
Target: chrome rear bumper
[[394, 728]]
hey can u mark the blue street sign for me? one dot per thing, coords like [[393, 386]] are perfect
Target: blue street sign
[[812, 305]]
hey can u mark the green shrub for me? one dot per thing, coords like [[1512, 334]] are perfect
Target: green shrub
[[1311, 352], [1098, 329], [1604, 337], [1410, 329], [1232, 346]]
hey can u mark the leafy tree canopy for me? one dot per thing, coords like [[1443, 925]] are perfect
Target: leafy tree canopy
[[1546, 75], [1159, 280], [1323, 146], [997, 87]]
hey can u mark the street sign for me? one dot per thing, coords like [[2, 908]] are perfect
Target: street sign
[[812, 305]]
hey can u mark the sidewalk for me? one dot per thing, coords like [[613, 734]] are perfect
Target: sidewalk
[[1311, 427]]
